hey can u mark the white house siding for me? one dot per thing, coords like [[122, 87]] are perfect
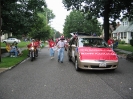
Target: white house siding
[[5, 36], [122, 37], [123, 32]]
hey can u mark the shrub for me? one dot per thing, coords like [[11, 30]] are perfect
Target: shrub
[[131, 42], [122, 42], [130, 57]]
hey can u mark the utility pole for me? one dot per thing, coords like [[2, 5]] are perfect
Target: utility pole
[[54, 35], [46, 16]]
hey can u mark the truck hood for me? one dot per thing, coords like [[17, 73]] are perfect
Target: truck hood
[[93, 53]]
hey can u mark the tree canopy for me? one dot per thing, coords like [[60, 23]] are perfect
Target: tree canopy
[[109, 9], [77, 22], [26, 17]]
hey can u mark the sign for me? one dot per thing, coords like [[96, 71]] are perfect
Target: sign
[[103, 64]]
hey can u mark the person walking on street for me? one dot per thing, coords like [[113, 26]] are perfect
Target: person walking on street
[[61, 47], [51, 48]]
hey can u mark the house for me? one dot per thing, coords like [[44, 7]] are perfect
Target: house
[[124, 32], [5, 36], [111, 29]]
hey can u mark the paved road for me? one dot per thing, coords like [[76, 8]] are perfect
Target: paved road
[[48, 79]]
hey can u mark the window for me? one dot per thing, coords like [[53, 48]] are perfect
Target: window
[[125, 23], [115, 35], [125, 34], [131, 34], [122, 35], [92, 42]]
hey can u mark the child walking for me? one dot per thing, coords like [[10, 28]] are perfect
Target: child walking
[[51, 48]]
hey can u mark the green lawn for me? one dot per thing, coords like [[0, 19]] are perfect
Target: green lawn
[[7, 62], [20, 45], [126, 47], [11, 61]]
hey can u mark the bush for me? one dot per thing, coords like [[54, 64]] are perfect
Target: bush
[[130, 57], [122, 42], [131, 42]]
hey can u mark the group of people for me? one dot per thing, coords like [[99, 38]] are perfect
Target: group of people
[[13, 49], [60, 46]]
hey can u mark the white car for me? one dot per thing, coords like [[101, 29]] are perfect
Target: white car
[[11, 40]]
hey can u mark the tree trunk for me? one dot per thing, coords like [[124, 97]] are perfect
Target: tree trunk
[[106, 22]]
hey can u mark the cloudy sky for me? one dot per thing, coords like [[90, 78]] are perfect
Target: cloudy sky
[[60, 14]]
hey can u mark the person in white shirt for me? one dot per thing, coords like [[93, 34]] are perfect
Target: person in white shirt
[[61, 47]]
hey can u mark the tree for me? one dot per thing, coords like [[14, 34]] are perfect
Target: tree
[[18, 16], [40, 28], [109, 9], [1, 7], [76, 22]]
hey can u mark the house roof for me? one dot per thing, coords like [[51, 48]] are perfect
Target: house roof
[[122, 28], [130, 28]]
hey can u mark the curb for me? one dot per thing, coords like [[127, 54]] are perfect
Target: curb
[[123, 51], [5, 69]]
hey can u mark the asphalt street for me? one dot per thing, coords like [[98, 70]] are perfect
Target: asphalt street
[[47, 79]]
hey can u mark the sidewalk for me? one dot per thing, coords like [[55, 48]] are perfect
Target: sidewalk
[[3, 69], [124, 55], [123, 51]]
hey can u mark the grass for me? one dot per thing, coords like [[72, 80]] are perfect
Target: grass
[[7, 62], [20, 45], [126, 47]]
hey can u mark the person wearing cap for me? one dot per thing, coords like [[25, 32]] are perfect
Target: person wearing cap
[[61, 47]]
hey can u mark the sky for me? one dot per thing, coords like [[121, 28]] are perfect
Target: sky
[[60, 14]]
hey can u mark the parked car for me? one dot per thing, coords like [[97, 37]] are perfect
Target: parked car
[[11, 40], [91, 53]]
